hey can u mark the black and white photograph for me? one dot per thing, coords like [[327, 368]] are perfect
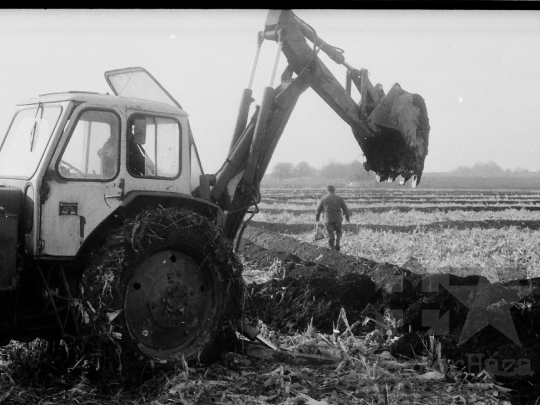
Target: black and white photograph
[[270, 206]]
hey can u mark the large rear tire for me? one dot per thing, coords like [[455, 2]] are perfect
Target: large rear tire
[[166, 284]]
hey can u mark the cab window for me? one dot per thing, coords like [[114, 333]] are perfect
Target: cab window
[[92, 152], [27, 139], [153, 146]]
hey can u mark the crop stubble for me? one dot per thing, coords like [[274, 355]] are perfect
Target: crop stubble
[[502, 244]]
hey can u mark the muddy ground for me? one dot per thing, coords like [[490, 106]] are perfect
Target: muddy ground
[[301, 295], [480, 325]]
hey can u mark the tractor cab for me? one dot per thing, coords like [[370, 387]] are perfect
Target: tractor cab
[[69, 160]]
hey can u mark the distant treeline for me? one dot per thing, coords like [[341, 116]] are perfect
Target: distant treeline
[[490, 169], [353, 171], [480, 176]]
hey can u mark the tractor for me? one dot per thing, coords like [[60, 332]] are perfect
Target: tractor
[[109, 226]]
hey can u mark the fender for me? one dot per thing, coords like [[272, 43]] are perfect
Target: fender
[[136, 201]]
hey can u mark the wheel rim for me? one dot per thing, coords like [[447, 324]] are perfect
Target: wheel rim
[[168, 304]]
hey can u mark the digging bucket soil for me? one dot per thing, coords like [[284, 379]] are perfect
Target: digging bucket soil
[[480, 325]]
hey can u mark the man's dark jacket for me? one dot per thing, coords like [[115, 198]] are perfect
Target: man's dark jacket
[[332, 205]]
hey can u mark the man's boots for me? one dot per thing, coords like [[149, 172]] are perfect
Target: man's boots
[[337, 248], [331, 244]]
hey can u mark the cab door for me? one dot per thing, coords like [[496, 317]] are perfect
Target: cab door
[[85, 180]]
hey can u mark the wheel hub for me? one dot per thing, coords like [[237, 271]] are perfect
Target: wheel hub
[[169, 310], [167, 301]]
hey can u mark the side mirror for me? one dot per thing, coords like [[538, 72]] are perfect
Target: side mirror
[[139, 136], [205, 182]]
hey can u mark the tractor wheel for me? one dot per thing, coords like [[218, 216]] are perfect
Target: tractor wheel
[[165, 283]]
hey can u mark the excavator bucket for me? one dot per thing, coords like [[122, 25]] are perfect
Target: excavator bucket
[[400, 146]]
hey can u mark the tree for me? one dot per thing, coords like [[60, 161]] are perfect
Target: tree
[[353, 171], [283, 170], [488, 169], [335, 170], [521, 170], [357, 171], [304, 169]]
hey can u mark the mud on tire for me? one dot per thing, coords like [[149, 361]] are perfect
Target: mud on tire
[[166, 285]]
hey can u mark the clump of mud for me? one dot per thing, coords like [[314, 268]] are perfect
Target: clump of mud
[[309, 292]]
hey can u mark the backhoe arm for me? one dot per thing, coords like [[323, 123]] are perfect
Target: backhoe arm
[[392, 131]]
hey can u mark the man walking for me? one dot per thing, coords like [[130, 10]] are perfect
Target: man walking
[[332, 205]]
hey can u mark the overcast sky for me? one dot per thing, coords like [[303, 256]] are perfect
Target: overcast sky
[[478, 71]]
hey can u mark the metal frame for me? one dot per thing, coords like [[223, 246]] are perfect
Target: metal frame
[[138, 69]]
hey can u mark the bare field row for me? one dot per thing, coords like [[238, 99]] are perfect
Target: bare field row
[[499, 254], [413, 217], [412, 198], [299, 228], [361, 196], [494, 236], [365, 201], [414, 193], [405, 208]]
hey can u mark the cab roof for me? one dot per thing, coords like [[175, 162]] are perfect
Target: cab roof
[[105, 100]]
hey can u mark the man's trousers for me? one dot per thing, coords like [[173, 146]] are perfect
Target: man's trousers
[[331, 229]]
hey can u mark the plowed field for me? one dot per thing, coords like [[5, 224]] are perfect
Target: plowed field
[[488, 243], [434, 298]]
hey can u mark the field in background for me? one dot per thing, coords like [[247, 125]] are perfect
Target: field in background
[[446, 181], [489, 232]]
